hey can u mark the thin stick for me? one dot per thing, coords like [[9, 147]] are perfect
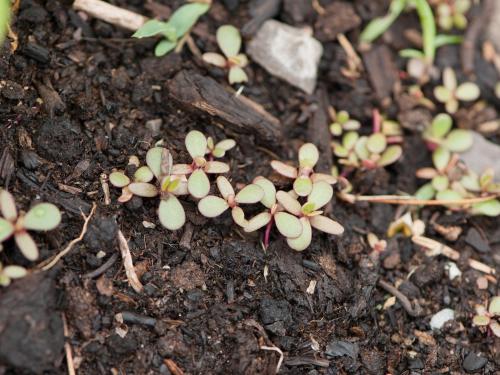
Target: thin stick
[[112, 14], [67, 347], [49, 263], [405, 302], [132, 277], [411, 201], [280, 352], [105, 188]]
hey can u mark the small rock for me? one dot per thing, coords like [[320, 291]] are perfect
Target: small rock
[[427, 274], [483, 154], [441, 317], [477, 241], [482, 283], [287, 52], [337, 348], [272, 310], [474, 362], [155, 126], [453, 270], [172, 344], [12, 90]]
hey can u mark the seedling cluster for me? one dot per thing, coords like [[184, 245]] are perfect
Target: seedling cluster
[[451, 13], [489, 318], [342, 122], [450, 93], [295, 213], [41, 217]]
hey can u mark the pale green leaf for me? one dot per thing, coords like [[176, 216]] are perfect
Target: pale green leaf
[[480, 320], [494, 308], [449, 79], [321, 194], [340, 151], [487, 208], [212, 206], [284, 169], [327, 225], [196, 144], [225, 187], [143, 174], [451, 105], [442, 94], [163, 47], [495, 328], [349, 140], [14, 272], [425, 192], [351, 125], [328, 178], [182, 169], [154, 159], [239, 216], [441, 157], [269, 198], [441, 125], [143, 189], [119, 179], [360, 148], [43, 216], [448, 195], [171, 213], [470, 182], [229, 40], [186, 16], [302, 186], [459, 140], [215, 59], [342, 117], [216, 167], [289, 203], [27, 246], [257, 222], [288, 225], [390, 155], [336, 129], [8, 205], [198, 184], [376, 143], [440, 183], [226, 144], [467, 92], [6, 229], [4, 18], [308, 155], [237, 75], [249, 194], [301, 242], [154, 27]]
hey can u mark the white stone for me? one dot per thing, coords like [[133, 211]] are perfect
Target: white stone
[[441, 317], [483, 154], [453, 270], [287, 52]]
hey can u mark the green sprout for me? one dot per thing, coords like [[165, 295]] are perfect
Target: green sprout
[[489, 317], [229, 41], [440, 134], [8, 273], [450, 93], [41, 217], [198, 183], [4, 19], [309, 214], [341, 122], [288, 225], [179, 24], [212, 206], [140, 185], [380, 25], [219, 149], [304, 176], [452, 14]]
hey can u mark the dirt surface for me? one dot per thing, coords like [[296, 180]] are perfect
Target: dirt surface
[[78, 97]]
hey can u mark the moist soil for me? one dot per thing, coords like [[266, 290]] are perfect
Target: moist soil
[[79, 97]]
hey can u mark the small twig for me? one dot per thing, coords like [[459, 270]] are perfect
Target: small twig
[[112, 14], [133, 318], [405, 302], [173, 367], [410, 200], [185, 241], [49, 263], [103, 268], [128, 264], [67, 347], [105, 188], [280, 352]]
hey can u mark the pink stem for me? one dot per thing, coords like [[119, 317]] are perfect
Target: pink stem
[[376, 121], [267, 234]]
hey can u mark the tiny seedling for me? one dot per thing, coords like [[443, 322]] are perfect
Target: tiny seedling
[[451, 13], [310, 214], [440, 134], [229, 41], [288, 225], [489, 317], [8, 273], [41, 217], [179, 24], [378, 26], [304, 176], [219, 149], [198, 183], [140, 185], [213, 206], [450, 93], [342, 122]]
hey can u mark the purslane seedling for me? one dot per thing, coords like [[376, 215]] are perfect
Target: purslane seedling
[[41, 217], [219, 149], [179, 24], [304, 176], [229, 41], [9, 273], [451, 13], [489, 318], [450, 93], [140, 184], [440, 134], [342, 122]]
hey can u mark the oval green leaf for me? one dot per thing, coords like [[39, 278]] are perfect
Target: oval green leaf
[[257, 222], [321, 194], [143, 189], [225, 187], [239, 216], [302, 186], [212, 206], [6, 229], [196, 144], [14, 272], [440, 183], [327, 225], [376, 143], [249, 194], [308, 155], [288, 225], [459, 140], [487, 208], [289, 203], [301, 242], [229, 40], [467, 92], [441, 125], [237, 75], [143, 174], [390, 155], [119, 179], [26, 245], [198, 184], [425, 192], [494, 308], [8, 205], [152, 28], [171, 213], [186, 16], [164, 47], [269, 198], [349, 140], [153, 160], [43, 216], [441, 157]]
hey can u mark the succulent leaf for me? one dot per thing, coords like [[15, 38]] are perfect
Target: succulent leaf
[[487, 208], [239, 216], [459, 140], [198, 184], [143, 189], [440, 183], [8, 205], [216, 167], [225, 187], [237, 75], [442, 94], [441, 125], [229, 40], [250, 194], [26, 245], [494, 308], [171, 213], [308, 155], [289, 203], [284, 169], [43, 216], [349, 140], [186, 16], [467, 92], [163, 47], [449, 79], [212, 206], [288, 225], [425, 192], [269, 198], [154, 159], [215, 59], [480, 320], [6, 229], [257, 222], [119, 179], [327, 225], [302, 186], [376, 143], [441, 157], [196, 144], [390, 155], [143, 174], [14, 272], [301, 242], [321, 194]]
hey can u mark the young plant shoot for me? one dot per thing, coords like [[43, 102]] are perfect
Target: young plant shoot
[[489, 317], [140, 185], [212, 206], [310, 214], [229, 41], [41, 217], [9, 273], [342, 122], [304, 176], [450, 93], [219, 149], [179, 24], [451, 14], [198, 182], [440, 134]]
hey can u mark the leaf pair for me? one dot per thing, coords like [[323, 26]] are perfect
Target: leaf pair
[[342, 122], [41, 217], [180, 22], [452, 15], [489, 317], [140, 185], [304, 176], [450, 92], [229, 41], [440, 133], [219, 149]]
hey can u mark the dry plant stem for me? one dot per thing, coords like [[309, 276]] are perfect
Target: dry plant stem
[[49, 263], [353, 60], [172, 367], [409, 200], [111, 14], [67, 348], [105, 189], [128, 264], [437, 248], [405, 302], [280, 352]]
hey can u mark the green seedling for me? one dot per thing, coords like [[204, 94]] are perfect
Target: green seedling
[[288, 225], [380, 25], [342, 122], [310, 214], [4, 18], [450, 93], [219, 149], [229, 41], [489, 317], [41, 217], [179, 24], [440, 134], [9, 273], [170, 211], [213, 206], [451, 14], [198, 183], [140, 184], [304, 176]]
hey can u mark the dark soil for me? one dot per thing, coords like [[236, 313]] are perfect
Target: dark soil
[[77, 99]]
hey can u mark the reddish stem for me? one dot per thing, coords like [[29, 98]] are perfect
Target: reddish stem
[[376, 121], [267, 233]]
